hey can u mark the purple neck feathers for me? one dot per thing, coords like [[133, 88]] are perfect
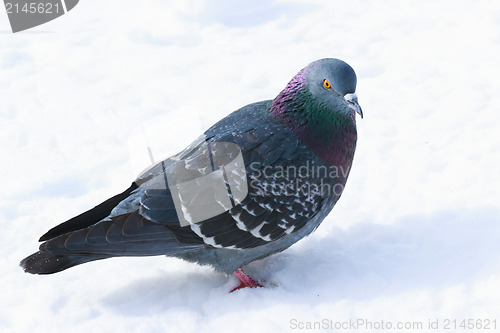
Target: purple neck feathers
[[330, 135]]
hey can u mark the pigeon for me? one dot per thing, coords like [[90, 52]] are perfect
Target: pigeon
[[250, 186]]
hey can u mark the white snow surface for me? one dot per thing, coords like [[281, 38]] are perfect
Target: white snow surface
[[415, 236]]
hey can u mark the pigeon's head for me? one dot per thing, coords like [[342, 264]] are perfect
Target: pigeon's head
[[321, 92], [332, 81]]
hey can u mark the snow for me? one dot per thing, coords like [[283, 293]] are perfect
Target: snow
[[414, 238]]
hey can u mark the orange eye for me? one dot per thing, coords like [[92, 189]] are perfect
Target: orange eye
[[327, 84]]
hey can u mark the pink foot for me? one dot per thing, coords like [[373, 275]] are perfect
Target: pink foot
[[246, 280]]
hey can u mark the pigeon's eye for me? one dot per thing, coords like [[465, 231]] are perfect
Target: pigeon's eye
[[327, 84]]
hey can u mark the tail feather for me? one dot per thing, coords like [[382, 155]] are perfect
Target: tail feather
[[47, 263]]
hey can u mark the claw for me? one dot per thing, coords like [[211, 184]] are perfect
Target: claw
[[246, 280]]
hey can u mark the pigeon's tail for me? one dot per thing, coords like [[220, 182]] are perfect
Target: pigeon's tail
[[47, 263]]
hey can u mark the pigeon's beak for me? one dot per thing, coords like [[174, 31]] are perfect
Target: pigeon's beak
[[352, 99]]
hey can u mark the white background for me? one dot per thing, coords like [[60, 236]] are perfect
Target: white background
[[414, 237]]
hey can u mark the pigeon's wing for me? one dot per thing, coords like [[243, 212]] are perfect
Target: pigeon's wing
[[89, 217], [147, 221], [124, 235], [277, 204], [255, 222], [116, 226], [143, 223], [258, 220]]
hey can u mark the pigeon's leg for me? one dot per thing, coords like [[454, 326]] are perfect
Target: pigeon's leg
[[245, 279]]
